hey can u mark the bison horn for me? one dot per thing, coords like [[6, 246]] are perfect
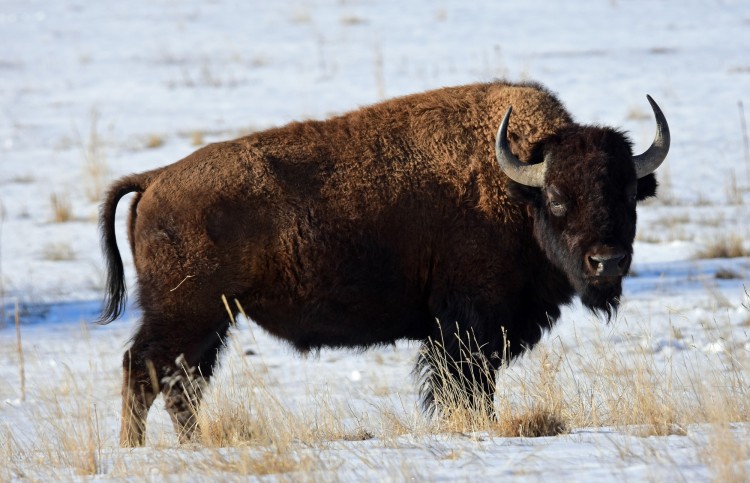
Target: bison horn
[[522, 173], [647, 162]]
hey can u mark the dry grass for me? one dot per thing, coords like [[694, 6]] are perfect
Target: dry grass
[[95, 168], [250, 429], [62, 210], [539, 414], [301, 16], [351, 20], [727, 274], [154, 141], [2, 275], [58, 252], [197, 138], [726, 455], [534, 424], [76, 436], [23, 179], [636, 113], [734, 193], [266, 461], [730, 246], [237, 416]]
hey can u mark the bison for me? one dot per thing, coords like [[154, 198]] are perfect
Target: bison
[[408, 219]]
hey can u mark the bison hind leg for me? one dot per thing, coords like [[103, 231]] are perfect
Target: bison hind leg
[[178, 366], [139, 389], [183, 389], [184, 383]]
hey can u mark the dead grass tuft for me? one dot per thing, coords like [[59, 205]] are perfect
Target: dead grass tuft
[[727, 274], [301, 16], [352, 20], [58, 252], [638, 114], [258, 462], [731, 246], [534, 424], [62, 210], [196, 138], [154, 141], [226, 425]]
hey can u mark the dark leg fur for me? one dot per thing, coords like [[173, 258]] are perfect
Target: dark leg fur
[[139, 389], [179, 369], [183, 388], [457, 364]]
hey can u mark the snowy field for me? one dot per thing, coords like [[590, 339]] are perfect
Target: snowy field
[[90, 91]]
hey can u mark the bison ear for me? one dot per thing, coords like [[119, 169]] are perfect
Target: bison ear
[[647, 187]]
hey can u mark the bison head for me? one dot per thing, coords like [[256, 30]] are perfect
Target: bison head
[[581, 186]]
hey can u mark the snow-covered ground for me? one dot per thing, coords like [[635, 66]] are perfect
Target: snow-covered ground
[[90, 91]]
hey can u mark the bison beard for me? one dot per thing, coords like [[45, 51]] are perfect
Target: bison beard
[[604, 299], [601, 298], [410, 219]]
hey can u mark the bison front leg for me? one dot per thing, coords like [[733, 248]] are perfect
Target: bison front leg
[[457, 373]]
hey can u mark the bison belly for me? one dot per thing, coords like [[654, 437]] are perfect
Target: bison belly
[[337, 290]]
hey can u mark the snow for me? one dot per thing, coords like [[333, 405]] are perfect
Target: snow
[[106, 79]]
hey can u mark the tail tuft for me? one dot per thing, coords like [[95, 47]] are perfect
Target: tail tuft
[[115, 297]]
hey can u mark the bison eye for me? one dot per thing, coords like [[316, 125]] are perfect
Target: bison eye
[[557, 208]]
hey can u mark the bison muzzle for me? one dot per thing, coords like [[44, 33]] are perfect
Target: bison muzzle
[[410, 219]]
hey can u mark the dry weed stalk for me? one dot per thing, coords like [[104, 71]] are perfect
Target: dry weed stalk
[[734, 193], [745, 141], [95, 169], [2, 283], [19, 349]]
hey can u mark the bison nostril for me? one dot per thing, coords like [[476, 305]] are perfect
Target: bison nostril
[[595, 264], [607, 265]]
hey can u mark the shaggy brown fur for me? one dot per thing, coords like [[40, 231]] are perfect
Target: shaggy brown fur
[[380, 224]]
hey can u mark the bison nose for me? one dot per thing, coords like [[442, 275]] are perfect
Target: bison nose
[[607, 262]]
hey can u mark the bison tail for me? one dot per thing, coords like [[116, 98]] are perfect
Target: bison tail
[[116, 291]]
